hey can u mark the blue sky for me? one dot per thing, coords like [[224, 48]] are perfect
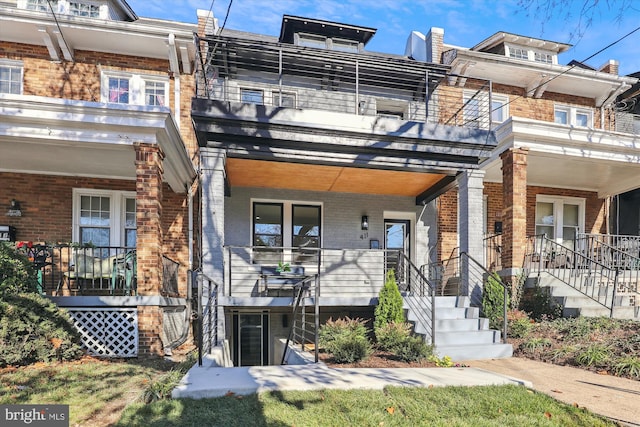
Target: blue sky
[[465, 22]]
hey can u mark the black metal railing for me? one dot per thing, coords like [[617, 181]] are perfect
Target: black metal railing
[[305, 324], [606, 279], [70, 269], [612, 250], [419, 294], [464, 276], [493, 252], [205, 304]]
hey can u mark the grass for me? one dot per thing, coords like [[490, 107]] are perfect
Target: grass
[[394, 406], [94, 389]]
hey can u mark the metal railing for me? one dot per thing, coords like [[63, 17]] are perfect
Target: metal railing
[[282, 75], [305, 323], [74, 269], [462, 275], [574, 268], [493, 252], [612, 250], [412, 281], [205, 302]]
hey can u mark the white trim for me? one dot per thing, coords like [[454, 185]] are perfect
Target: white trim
[[12, 63], [137, 86], [116, 212], [572, 113]]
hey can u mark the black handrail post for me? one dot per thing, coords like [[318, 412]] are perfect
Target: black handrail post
[[317, 314]]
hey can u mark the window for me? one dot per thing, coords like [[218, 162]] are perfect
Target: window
[[134, 89], [154, 93], [543, 57], [284, 99], [119, 90], [42, 5], [345, 45], [475, 110], [518, 53], [11, 77], [251, 96], [104, 218], [574, 116], [560, 219], [287, 231], [84, 9], [312, 40], [499, 108]]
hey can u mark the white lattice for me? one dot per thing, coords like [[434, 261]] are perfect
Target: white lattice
[[107, 332]]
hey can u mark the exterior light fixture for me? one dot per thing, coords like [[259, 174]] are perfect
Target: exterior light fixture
[[365, 222], [14, 208]]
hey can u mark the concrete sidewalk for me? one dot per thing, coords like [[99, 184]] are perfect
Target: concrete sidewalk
[[612, 397], [210, 380]]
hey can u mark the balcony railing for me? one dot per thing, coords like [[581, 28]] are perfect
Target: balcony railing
[[369, 84], [82, 270]]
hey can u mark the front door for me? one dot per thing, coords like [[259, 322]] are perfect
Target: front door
[[560, 219], [396, 239]]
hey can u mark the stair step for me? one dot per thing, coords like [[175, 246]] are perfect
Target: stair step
[[488, 336], [457, 325], [459, 353], [452, 301], [457, 312]]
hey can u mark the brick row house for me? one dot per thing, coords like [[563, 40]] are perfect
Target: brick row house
[[98, 165]]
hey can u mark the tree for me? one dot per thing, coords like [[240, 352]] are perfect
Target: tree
[[389, 308]]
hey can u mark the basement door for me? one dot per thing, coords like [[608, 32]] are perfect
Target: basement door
[[250, 338]]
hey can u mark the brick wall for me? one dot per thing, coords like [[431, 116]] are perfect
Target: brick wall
[[447, 224]]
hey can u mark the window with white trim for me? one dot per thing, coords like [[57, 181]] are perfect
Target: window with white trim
[[134, 89], [499, 108], [518, 53], [560, 218], [11, 77], [475, 110], [528, 54], [104, 217], [574, 116], [312, 40], [543, 57], [251, 96]]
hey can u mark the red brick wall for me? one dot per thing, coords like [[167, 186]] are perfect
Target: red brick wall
[[447, 224]]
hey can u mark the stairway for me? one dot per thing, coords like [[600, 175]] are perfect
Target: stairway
[[575, 303], [460, 332]]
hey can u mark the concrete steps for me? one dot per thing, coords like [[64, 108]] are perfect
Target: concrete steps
[[460, 332]]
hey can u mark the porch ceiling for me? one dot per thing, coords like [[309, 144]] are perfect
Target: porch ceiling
[[268, 174]]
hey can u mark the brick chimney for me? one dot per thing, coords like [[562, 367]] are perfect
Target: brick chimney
[[207, 24], [610, 67], [435, 41]]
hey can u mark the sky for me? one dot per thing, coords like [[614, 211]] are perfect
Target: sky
[[465, 23]]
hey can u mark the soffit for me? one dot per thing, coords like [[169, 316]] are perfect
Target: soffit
[[294, 176]]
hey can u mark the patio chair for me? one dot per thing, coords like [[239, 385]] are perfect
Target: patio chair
[[124, 273], [85, 268]]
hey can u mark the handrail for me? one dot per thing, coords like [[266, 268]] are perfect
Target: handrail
[[207, 315], [417, 284], [299, 305], [573, 268]]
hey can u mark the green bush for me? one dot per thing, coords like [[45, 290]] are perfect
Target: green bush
[[493, 301], [541, 306], [17, 274], [518, 324], [413, 349], [593, 355], [33, 329], [392, 335], [389, 308], [345, 339]]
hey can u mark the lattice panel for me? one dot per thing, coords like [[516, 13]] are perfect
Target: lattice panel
[[107, 332]]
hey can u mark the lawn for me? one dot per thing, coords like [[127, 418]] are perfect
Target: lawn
[[394, 406]]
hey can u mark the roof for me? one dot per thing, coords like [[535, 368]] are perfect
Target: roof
[[296, 24], [502, 37]]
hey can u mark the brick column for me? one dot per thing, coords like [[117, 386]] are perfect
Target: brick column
[[149, 174], [470, 229], [514, 214]]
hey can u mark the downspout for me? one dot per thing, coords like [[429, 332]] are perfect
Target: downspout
[[175, 71]]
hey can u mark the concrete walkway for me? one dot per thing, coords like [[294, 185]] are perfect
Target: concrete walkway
[[209, 380], [612, 397]]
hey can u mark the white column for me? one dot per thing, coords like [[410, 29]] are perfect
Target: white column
[[212, 162]]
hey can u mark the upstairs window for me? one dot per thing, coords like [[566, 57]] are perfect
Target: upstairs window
[[543, 57], [11, 77], [251, 96], [42, 5], [574, 116], [345, 45], [312, 40], [84, 9], [284, 99], [133, 89], [528, 54], [499, 108], [518, 53]]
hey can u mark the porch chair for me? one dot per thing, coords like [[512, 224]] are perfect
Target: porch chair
[[85, 267], [124, 272]]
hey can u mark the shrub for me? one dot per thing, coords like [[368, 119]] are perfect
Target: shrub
[[33, 329], [518, 324], [541, 306], [493, 301], [346, 339], [17, 274], [629, 366], [535, 344], [389, 308], [392, 335], [163, 386], [593, 355], [445, 362], [413, 349]]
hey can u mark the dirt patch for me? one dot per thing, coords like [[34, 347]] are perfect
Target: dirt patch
[[379, 359]]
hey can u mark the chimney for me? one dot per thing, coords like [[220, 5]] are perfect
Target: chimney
[[207, 24], [610, 67], [435, 41]]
